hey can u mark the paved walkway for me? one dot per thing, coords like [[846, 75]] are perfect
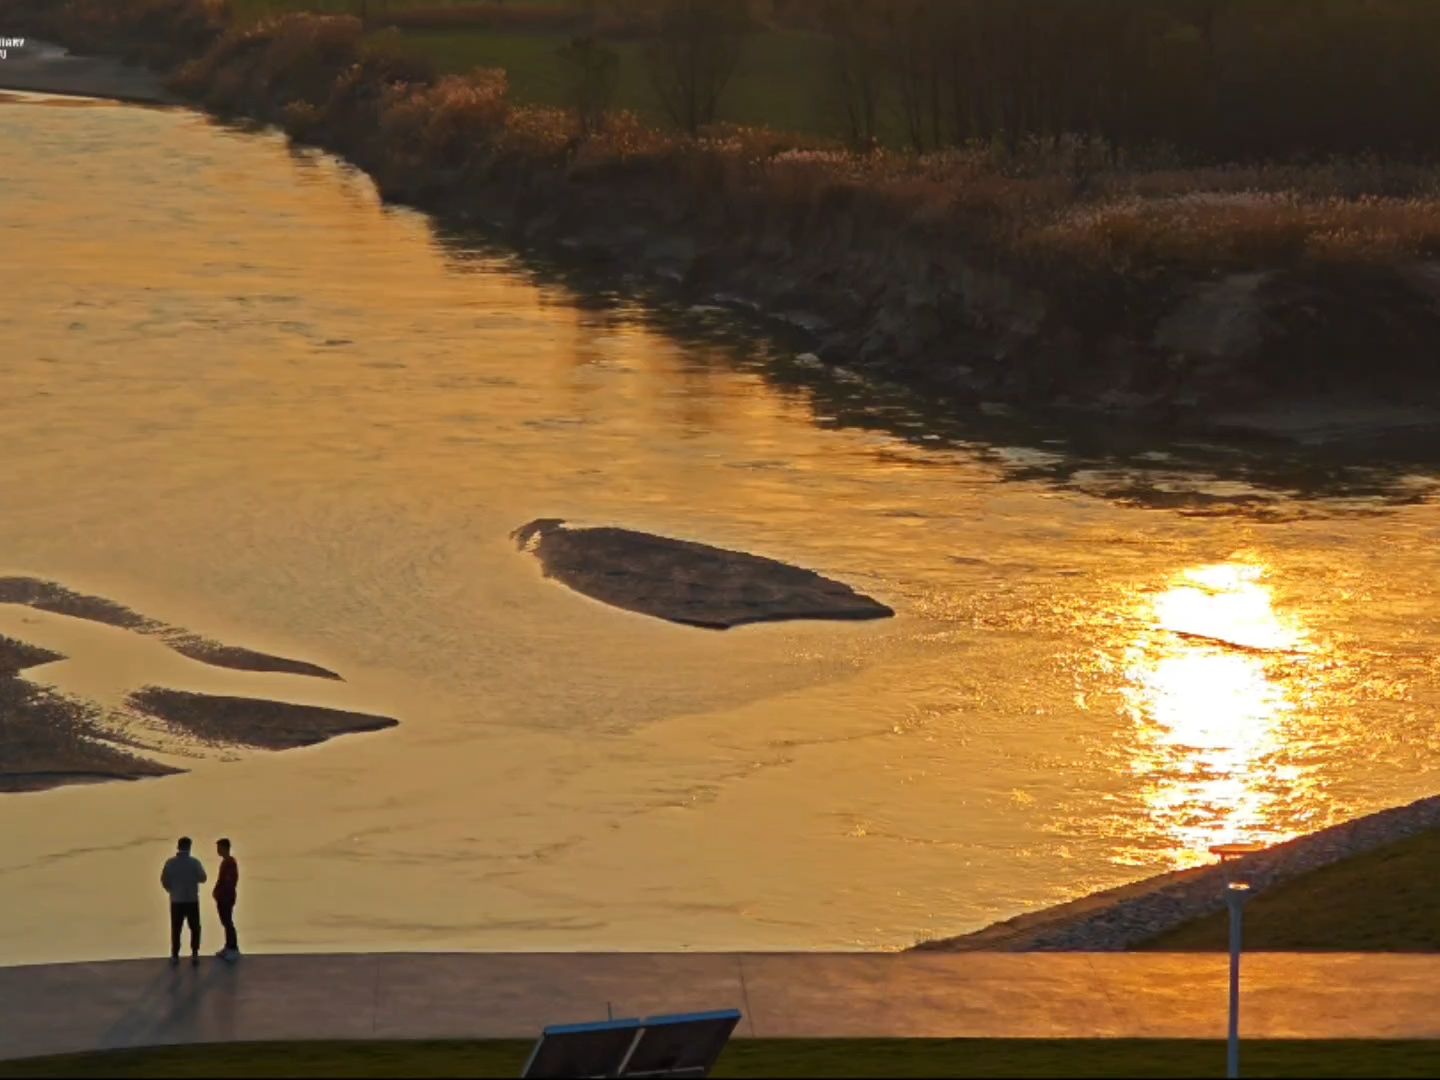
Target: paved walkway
[[70, 1007]]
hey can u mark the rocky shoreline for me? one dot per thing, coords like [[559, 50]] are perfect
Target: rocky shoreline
[[1209, 354], [1119, 919], [1241, 352]]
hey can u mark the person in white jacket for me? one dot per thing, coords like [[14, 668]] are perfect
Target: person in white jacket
[[181, 878]]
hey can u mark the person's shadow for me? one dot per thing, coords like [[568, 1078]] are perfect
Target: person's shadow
[[182, 1004]]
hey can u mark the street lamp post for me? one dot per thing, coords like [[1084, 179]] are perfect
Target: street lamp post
[[1237, 891]]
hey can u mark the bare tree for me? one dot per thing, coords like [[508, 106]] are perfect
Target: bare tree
[[362, 8], [693, 55], [592, 71], [855, 68]]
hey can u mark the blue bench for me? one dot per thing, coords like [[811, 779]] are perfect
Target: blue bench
[[682, 1045]]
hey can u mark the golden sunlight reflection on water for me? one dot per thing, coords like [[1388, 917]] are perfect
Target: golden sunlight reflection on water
[[1212, 684], [243, 396]]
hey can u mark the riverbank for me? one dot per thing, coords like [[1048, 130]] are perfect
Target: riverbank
[[39, 67], [1131, 915], [1381, 901], [1192, 297]]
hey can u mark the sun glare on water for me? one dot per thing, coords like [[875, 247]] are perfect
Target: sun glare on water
[[1211, 684]]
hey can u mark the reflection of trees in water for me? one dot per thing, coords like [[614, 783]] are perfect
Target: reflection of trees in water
[[697, 408], [1118, 458]]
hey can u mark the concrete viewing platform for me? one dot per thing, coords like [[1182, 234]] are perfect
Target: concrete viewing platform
[[63, 1008]]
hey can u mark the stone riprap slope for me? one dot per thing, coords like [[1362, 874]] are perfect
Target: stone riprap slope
[[1125, 917]]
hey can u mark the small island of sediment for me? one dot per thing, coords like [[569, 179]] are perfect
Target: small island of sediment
[[51, 739], [53, 597], [686, 582], [241, 721], [47, 740]]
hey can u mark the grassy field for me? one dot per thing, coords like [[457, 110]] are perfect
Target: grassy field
[[375, 8], [1386, 901], [779, 83], [773, 1057]]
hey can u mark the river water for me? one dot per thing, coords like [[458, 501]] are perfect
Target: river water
[[240, 395]]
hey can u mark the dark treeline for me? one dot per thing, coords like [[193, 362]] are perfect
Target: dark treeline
[[1227, 78]]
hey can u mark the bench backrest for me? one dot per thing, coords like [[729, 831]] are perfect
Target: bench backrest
[[679, 1045]]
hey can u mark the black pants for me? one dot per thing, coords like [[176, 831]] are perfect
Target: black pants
[[227, 920], [179, 915]]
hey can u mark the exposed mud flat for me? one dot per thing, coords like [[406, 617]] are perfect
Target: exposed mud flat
[[16, 656], [685, 582], [240, 721], [47, 740], [49, 596], [50, 739]]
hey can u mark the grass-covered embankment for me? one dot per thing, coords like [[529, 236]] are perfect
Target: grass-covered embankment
[[1383, 901], [1041, 273], [772, 1058], [1360, 885]]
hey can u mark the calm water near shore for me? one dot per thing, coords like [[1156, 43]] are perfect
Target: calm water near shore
[[239, 395]]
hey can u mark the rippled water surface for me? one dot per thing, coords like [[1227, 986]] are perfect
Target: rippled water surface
[[238, 394]]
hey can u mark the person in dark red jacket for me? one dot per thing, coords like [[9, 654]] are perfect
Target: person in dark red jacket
[[226, 884]]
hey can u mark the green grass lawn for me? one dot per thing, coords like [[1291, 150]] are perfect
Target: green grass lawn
[[374, 8], [780, 81], [1385, 901], [774, 1057]]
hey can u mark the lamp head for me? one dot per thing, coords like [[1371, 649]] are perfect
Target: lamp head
[[1229, 855]]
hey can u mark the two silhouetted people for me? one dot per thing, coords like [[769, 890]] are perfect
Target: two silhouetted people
[[181, 879]]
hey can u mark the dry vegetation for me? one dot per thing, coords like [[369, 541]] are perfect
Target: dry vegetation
[[1052, 200], [1044, 201]]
